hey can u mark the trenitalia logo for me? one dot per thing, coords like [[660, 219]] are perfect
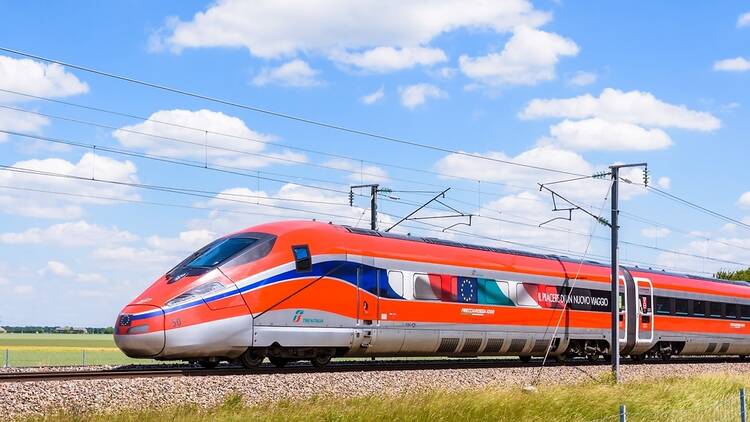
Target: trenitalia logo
[[298, 316]]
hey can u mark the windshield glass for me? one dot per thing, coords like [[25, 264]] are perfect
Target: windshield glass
[[220, 252]]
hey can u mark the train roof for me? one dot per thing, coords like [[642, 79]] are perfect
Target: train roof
[[444, 242]]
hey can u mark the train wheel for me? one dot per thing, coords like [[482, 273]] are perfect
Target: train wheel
[[743, 357], [208, 364], [278, 362], [665, 357], [251, 358], [592, 358], [639, 358], [525, 358], [320, 360]]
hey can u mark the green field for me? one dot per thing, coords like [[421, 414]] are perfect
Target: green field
[[61, 350], [698, 399]]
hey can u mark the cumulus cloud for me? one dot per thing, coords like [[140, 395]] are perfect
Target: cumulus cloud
[[548, 156], [635, 107], [187, 133], [373, 97], [529, 57], [582, 78], [78, 233], [358, 172], [600, 134], [186, 241], [44, 205], [664, 182], [296, 73], [416, 95], [389, 59], [36, 78], [744, 200], [56, 269], [743, 20], [17, 121], [277, 30], [737, 64]]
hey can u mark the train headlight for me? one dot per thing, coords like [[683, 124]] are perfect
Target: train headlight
[[196, 292]]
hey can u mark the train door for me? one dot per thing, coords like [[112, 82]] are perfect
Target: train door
[[644, 310], [622, 306]]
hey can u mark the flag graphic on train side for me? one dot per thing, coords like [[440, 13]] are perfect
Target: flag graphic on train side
[[467, 289], [298, 315]]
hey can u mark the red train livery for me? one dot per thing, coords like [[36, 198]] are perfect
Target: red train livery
[[298, 290]]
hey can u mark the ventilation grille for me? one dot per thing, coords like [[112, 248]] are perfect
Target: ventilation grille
[[471, 345], [711, 347], [539, 346], [517, 345], [724, 348], [448, 345], [493, 345]]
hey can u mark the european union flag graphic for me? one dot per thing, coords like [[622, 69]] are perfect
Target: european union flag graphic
[[467, 290]]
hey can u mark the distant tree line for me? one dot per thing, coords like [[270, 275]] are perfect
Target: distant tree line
[[57, 330], [739, 275]]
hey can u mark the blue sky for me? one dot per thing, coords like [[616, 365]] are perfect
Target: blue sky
[[573, 86]]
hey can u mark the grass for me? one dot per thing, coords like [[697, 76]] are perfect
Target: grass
[[62, 350], [700, 398]]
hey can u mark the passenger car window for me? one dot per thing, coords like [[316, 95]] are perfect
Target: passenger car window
[[423, 289], [396, 282], [681, 307], [662, 305], [715, 309], [731, 310], [745, 311], [699, 308]]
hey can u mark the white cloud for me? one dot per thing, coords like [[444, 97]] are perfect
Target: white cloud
[[187, 133], [17, 121], [416, 95], [582, 78], [664, 182], [529, 57], [144, 259], [599, 134], [186, 241], [44, 205], [390, 59], [56, 269], [296, 73], [743, 20], [655, 232], [35, 78], [373, 97], [737, 64], [358, 172], [79, 233], [23, 289], [272, 29], [636, 107], [744, 200], [549, 156]]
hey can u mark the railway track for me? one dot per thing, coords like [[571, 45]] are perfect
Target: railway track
[[383, 365]]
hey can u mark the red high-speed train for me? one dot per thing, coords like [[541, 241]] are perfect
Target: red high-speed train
[[297, 290]]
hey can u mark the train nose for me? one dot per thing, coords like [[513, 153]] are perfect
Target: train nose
[[139, 331]]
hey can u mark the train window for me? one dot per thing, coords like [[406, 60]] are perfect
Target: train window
[[220, 252], [680, 306], [663, 305], [714, 309], [424, 290], [699, 307], [302, 258], [396, 284], [731, 310], [744, 311]]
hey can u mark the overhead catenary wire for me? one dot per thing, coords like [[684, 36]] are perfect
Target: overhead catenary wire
[[246, 138], [286, 116]]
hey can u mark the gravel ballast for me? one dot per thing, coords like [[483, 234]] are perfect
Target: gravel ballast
[[36, 398]]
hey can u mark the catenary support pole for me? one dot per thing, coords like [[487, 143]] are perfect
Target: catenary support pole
[[623, 413], [374, 207], [615, 274], [615, 336]]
